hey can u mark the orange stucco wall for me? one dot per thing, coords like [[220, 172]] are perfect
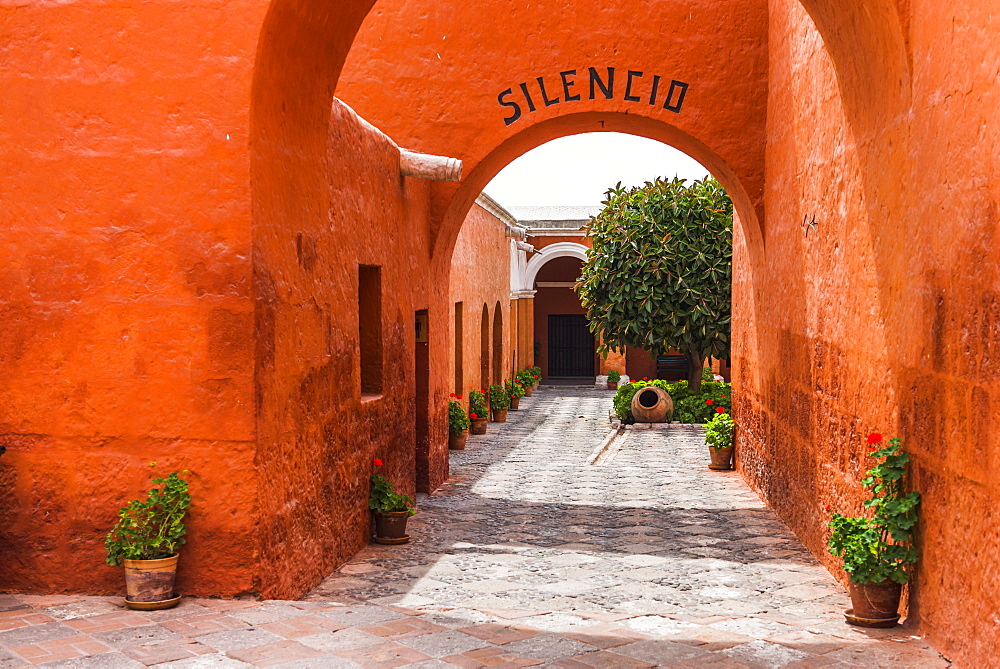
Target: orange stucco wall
[[480, 278], [164, 159]]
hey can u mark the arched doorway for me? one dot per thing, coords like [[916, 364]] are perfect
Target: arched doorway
[[484, 349], [498, 357]]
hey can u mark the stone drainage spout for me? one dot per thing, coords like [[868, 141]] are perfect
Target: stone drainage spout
[[426, 166]]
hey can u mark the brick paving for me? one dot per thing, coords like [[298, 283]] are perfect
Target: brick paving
[[549, 546]]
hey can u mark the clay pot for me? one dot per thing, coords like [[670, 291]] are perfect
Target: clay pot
[[150, 580], [722, 458], [514, 402], [499, 415], [479, 425], [456, 442], [390, 528], [528, 390], [875, 601], [652, 405], [612, 385]]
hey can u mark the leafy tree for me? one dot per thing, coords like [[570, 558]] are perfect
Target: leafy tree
[[659, 274]]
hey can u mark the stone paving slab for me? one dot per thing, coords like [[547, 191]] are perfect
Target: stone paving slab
[[535, 553]]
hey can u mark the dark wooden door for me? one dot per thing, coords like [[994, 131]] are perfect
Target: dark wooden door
[[571, 346]]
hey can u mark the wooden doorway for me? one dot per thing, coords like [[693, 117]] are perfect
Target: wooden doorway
[[571, 346]]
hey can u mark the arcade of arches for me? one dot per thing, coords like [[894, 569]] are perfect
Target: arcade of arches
[[193, 190]]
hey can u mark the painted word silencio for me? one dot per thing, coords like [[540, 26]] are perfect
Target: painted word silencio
[[595, 83]]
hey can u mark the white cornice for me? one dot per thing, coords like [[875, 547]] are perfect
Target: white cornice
[[492, 206]]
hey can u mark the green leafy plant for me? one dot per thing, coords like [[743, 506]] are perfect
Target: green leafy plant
[[879, 548], [514, 388], [458, 421], [499, 398], [707, 374], [526, 377], [151, 529], [659, 274], [383, 500], [614, 376], [719, 431], [477, 404], [536, 372]]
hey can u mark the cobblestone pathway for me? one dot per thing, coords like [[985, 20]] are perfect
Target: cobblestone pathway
[[543, 549]]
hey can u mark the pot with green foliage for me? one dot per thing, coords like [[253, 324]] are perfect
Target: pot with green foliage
[[478, 412], [527, 380], [458, 424], [391, 510], [536, 374], [515, 391], [499, 403], [876, 550], [719, 439], [146, 539], [614, 376]]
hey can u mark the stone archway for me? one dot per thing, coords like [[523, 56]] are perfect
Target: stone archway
[[550, 253]]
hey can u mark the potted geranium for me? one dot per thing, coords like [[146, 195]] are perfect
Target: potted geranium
[[527, 380], [536, 373], [614, 376], [515, 391], [146, 539], [479, 415], [391, 510], [876, 550], [499, 403], [458, 424], [719, 438]]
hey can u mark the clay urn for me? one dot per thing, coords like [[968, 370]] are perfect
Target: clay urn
[[652, 405]]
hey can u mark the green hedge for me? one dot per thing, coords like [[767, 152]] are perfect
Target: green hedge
[[688, 407]]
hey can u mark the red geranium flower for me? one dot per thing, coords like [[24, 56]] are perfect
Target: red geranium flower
[[874, 438], [720, 410], [377, 462], [472, 415], [827, 507], [725, 395], [458, 396], [709, 402], [453, 394]]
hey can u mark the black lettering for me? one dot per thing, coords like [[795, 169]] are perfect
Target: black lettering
[[681, 88], [608, 90], [517, 108], [527, 96], [656, 87], [628, 86], [567, 84], [545, 98]]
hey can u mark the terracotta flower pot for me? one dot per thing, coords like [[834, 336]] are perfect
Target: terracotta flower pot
[[514, 402], [612, 385], [479, 425], [528, 390], [875, 601], [499, 415], [722, 458], [150, 581], [456, 442], [390, 528]]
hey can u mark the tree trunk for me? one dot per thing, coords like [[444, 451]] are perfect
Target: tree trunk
[[695, 364]]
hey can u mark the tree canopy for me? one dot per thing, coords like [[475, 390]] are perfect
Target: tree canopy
[[659, 275]]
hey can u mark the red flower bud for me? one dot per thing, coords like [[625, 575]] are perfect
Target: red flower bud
[[725, 395], [874, 438], [377, 462], [709, 402], [720, 410], [827, 507]]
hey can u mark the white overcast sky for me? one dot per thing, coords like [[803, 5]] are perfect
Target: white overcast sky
[[578, 169]]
